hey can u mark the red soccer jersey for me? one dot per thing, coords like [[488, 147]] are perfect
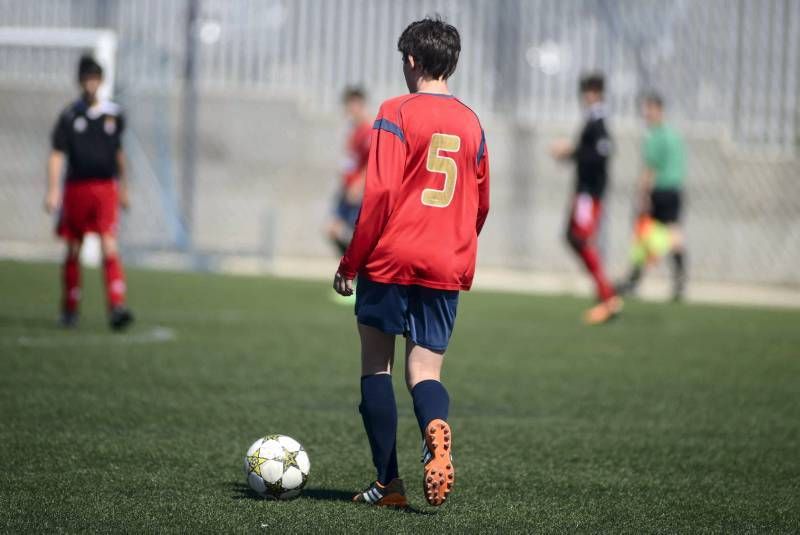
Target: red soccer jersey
[[426, 195], [357, 154]]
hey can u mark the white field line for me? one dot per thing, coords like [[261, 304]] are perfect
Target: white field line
[[34, 313], [156, 335]]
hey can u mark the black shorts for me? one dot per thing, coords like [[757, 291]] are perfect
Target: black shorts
[[665, 205]]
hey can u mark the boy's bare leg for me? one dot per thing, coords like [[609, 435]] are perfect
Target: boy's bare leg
[[422, 364], [377, 350]]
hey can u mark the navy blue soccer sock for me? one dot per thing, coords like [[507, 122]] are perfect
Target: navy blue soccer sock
[[379, 412], [431, 401]]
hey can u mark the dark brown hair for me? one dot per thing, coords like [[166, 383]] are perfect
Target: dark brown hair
[[434, 45]]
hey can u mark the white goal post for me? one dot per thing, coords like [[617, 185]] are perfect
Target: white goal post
[[102, 43]]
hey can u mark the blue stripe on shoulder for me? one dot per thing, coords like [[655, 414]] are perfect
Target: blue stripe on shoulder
[[389, 126], [481, 147]]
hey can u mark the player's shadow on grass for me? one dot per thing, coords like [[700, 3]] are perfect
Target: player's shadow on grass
[[244, 492], [335, 495], [328, 495]]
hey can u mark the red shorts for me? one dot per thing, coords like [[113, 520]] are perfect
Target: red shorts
[[89, 206], [585, 216]]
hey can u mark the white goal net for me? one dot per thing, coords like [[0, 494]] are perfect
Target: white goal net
[[44, 54]]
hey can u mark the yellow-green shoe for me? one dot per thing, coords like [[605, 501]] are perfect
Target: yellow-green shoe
[[348, 300]]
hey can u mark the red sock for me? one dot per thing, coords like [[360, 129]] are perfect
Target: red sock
[[115, 281], [71, 284], [592, 260]]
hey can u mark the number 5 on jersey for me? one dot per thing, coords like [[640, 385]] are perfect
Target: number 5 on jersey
[[440, 198]]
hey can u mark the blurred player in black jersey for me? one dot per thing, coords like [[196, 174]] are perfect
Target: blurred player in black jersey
[[88, 138], [590, 156]]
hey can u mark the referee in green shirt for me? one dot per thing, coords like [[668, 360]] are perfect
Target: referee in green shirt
[[661, 196]]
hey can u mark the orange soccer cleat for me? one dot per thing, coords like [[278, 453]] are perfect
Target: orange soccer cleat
[[439, 474], [393, 494], [604, 311]]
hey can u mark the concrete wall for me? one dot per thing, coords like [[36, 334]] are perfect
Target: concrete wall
[[267, 172]]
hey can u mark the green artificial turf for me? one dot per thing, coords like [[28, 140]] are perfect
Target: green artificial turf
[[671, 419]]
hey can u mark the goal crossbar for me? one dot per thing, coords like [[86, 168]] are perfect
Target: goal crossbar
[[102, 43]]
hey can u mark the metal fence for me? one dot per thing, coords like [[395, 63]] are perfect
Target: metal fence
[[731, 63], [271, 71]]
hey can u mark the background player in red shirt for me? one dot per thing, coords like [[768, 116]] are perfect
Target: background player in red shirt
[[88, 137], [351, 191], [590, 156], [413, 249]]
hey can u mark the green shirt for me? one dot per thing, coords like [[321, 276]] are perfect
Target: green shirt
[[665, 154]]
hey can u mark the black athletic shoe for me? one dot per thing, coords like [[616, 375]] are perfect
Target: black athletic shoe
[[626, 288], [69, 320], [120, 318], [623, 288], [629, 284]]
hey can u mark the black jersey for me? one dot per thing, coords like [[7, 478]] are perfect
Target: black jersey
[[592, 154], [90, 136]]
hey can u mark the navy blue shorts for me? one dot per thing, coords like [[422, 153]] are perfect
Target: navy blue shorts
[[347, 211], [424, 315]]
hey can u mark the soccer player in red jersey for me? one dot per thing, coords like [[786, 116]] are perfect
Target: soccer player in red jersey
[[348, 198], [88, 137], [590, 156], [425, 201]]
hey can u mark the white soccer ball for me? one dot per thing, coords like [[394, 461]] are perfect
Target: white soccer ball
[[277, 467]]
